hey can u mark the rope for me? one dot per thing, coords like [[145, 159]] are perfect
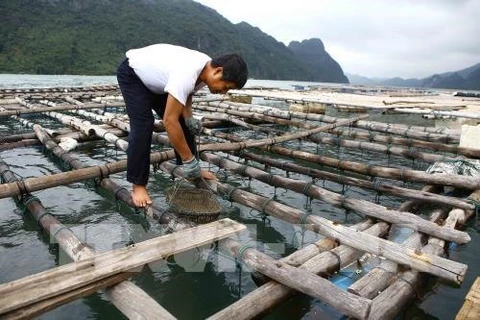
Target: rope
[[104, 172], [265, 205], [282, 166], [228, 194], [243, 171], [242, 251], [117, 191], [70, 160], [54, 234], [303, 218], [176, 187], [22, 188], [376, 185], [41, 216], [29, 199], [306, 188], [270, 179], [369, 169], [342, 202], [402, 175], [339, 260]]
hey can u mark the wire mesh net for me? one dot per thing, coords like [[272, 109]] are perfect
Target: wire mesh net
[[197, 205]]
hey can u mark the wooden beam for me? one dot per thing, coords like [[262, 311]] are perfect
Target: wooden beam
[[63, 279]]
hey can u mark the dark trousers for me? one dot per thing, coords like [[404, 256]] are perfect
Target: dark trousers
[[140, 102]]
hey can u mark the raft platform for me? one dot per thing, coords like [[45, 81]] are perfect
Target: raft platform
[[319, 156]]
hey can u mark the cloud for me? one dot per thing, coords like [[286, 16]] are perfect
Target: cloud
[[409, 38]]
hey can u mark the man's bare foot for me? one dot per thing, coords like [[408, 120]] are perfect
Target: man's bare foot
[[207, 175], [140, 197]]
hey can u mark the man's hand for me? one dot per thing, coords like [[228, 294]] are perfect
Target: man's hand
[[191, 169], [207, 175]]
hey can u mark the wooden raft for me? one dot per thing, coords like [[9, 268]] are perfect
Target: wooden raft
[[307, 270]]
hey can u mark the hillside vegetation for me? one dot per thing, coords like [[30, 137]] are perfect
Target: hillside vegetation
[[91, 36]]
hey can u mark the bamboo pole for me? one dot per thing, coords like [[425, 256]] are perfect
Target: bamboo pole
[[17, 137], [19, 144], [317, 117], [238, 122], [87, 127], [60, 108], [31, 139], [84, 126], [305, 99], [455, 149], [308, 283], [454, 180], [390, 149], [382, 188], [421, 133], [230, 193], [118, 294], [34, 184], [407, 153]]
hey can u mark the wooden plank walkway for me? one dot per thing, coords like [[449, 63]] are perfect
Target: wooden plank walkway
[[471, 306]]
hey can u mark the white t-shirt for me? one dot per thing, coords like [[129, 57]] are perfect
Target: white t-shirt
[[167, 68]]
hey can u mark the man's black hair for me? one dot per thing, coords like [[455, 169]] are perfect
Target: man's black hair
[[234, 68]]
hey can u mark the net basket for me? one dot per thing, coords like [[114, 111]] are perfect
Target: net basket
[[197, 205]]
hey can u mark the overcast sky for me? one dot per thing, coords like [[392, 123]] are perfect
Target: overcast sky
[[374, 38]]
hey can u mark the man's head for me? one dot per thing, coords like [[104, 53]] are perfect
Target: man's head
[[226, 72]]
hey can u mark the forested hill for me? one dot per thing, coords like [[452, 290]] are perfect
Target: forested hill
[[91, 37]]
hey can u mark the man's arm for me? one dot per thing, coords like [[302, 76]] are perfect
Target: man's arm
[[187, 111], [173, 111]]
